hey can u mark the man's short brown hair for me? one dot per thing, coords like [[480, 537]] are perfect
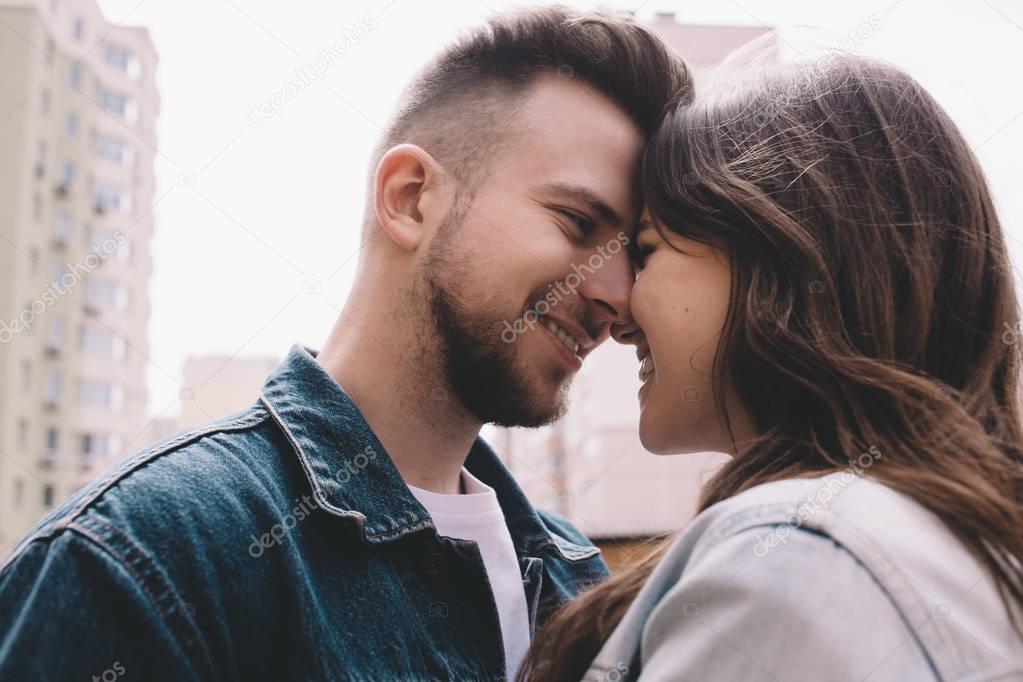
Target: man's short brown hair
[[460, 107]]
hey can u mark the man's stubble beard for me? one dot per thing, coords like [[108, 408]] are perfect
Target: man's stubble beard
[[481, 370]]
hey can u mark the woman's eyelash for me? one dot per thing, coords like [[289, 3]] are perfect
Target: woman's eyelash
[[640, 253]]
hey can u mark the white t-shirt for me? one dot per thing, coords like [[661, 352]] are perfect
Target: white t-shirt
[[476, 515]]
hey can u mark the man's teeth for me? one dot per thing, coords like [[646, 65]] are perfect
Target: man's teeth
[[565, 337], [646, 368]]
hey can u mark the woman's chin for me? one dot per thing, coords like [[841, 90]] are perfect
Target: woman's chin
[[656, 440], [659, 440]]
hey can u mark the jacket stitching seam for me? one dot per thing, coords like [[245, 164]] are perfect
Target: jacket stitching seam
[[127, 564]]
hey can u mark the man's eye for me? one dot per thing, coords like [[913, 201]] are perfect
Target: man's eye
[[585, 225]]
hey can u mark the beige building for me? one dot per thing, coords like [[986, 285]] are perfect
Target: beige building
[[78, 104], [218, 385], [590, 466], [212, 387]]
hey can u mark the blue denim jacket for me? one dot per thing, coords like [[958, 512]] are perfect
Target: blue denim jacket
[[277, 544], [832, 579]]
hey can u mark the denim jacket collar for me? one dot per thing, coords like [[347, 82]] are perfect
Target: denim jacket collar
[[353, 477]]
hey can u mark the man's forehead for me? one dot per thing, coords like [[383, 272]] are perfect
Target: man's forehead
[[568, 141], [560, 116]]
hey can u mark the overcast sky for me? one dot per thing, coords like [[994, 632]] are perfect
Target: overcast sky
[[257, 217]]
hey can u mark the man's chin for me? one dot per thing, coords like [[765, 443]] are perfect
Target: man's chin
[[540, 406], [530, 419]]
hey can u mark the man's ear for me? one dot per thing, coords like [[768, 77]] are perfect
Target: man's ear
[[407, 199]]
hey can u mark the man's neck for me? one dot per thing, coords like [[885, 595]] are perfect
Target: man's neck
[[397, 387]]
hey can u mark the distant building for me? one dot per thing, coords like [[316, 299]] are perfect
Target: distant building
[[704, 46], [217, 385], [590, 466], [78, 105], [213, 386]]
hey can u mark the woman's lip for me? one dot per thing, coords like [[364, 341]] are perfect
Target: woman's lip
[[643, 390], [570, 358], [643, 360]]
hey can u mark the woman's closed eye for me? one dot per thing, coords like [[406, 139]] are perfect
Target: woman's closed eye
[[640, 253]]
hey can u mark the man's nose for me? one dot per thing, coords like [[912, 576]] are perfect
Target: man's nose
[[609, 287], [626, 333]]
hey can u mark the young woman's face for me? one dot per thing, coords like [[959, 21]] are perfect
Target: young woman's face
[[679, 304]]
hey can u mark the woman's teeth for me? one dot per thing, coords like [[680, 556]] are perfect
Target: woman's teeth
[[646, 368], [565, 337]]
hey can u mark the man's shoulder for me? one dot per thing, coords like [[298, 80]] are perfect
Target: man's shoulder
[[190, 480]]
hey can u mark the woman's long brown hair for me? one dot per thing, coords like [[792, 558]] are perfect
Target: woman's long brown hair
[[872, 306]]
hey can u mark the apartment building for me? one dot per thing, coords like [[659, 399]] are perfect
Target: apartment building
[[78, 105]]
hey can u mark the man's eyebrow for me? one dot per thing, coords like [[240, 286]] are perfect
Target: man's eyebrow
[[586, 196]]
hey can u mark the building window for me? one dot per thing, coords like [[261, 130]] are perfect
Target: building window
[[71, 127], [117, 57], [67, 174], [54, 386], [96, 448], [103, 343], [45, 101], [19, 493], [105, 294], [120, 104], [111, 243], [25, 376], [62, 228], [78, 28], [74, 76], [111, 198], [102, 240], [123, 60], [56, 338], [22, 434], [40, 158], [37, 207], [103, 394], [47, 496], [52, 440], [114, 149]]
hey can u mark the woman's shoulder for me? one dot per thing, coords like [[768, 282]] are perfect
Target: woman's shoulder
[[889, 532], [804, 608], [839, 503], [872, 552]]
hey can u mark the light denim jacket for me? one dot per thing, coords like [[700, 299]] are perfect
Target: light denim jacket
[[832, 578]]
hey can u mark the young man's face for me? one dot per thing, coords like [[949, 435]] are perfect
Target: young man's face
[[544, 242]]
